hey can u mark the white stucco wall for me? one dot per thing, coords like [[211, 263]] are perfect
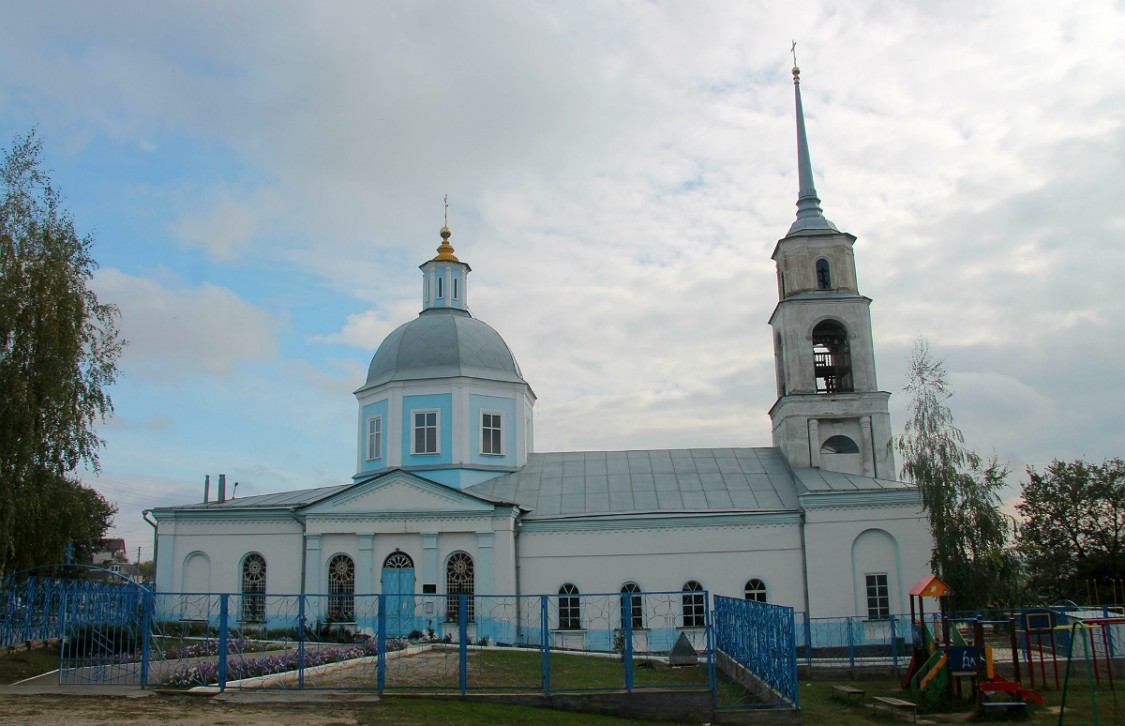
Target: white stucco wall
[[891, 539]]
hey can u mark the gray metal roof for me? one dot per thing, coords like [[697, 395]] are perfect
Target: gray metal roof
[[279, 500], [443, 343], [567, 484], [821, 481]]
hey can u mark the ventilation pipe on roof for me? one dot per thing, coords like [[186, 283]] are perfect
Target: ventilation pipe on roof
[[206, 488], [222, 488]]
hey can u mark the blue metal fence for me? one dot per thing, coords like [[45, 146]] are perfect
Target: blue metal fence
[[453, 643], [756, 646], [854, 641]]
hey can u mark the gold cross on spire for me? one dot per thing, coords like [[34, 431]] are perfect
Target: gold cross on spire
[[446, 210], [793, 50]]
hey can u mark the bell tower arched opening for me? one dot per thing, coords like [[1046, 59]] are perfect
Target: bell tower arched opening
[[832, 361]]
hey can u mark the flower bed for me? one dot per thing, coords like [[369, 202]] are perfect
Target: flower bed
[[207, 672]]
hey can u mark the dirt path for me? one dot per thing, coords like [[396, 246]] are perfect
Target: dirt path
[[165, 710]]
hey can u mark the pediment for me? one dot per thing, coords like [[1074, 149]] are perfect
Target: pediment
[[398, 492]]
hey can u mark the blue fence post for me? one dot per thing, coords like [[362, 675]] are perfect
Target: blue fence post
[[300, 642], [223, 623], [710, 644], [851, 642], [808, 642], [1109, 635], [463, 645], [62, 634], [627, 635], [148, 601], [795, 683], [545, 647], [381, 643], [894, 643]]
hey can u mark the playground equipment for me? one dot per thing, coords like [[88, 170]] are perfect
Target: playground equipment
[[941, 664]]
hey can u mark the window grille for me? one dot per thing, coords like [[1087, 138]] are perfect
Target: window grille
[[459, 580], [341, 589], [254, 588]]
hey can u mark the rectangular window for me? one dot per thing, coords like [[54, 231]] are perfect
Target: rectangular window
[[374, 438], [439, 291], [455, 296], [878, 597], [490, 434], [425, 432]]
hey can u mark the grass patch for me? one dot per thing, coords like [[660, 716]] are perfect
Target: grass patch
[[23, 664], [570, 672], [413, 711], [820, 705]]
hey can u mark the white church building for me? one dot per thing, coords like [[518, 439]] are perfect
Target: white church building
[[450, 495]]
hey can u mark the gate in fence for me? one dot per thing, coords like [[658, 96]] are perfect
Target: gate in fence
[[99, 618]]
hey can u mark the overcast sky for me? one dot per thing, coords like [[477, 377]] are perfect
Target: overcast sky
[[263, 179]]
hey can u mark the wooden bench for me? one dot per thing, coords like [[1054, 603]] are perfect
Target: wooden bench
[[849, 693], [896, 706]]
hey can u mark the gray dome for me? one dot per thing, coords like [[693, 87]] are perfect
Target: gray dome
[[443, 343]]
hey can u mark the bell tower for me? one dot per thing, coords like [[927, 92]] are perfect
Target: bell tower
[[829, 412]]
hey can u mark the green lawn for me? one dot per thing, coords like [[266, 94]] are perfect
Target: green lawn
[[23, 664], [413, 711], [820, 705], [502, 669]]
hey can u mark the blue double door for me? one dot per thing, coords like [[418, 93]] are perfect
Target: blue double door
[[397, 584]]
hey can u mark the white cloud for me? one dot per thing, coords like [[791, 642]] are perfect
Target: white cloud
[[176, 331], [618, 175], [226, 229]]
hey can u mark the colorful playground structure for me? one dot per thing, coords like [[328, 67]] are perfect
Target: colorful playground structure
[[945, 665]]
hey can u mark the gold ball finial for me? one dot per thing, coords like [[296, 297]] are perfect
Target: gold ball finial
[[445, 250]]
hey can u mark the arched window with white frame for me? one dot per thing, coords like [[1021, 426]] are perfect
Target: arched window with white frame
[[570, 608], [632, 607], [755, 590], [460, 579], [253, 589], [341, 589], [694, 602]]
